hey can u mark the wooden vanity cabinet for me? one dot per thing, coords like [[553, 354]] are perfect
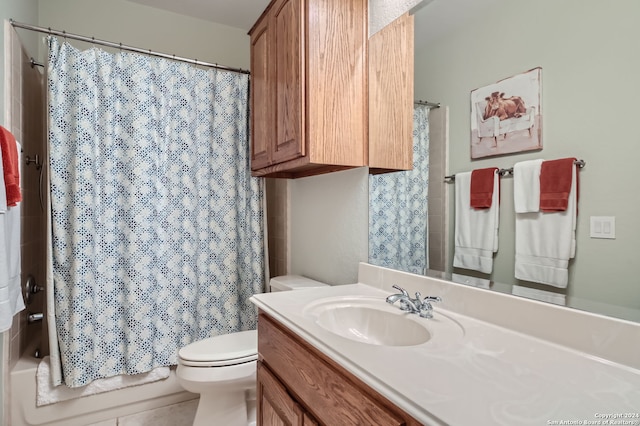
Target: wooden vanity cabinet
[[299, 385], [276, 407], [310, 90]]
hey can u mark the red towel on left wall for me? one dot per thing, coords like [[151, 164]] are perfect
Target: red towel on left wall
[[10, 167], [482, 187]]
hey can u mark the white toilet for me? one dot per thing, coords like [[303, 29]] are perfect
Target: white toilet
[[222, 369]]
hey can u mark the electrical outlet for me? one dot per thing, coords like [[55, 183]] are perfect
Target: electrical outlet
[[603, 227]]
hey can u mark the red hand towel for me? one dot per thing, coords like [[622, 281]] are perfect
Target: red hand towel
[[10, 167], [555, 184], [482, 187]]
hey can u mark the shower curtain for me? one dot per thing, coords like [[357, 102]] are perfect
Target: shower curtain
[[398, 208], [157, 235]]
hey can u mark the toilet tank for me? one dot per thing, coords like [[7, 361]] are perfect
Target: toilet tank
[[293, 282]]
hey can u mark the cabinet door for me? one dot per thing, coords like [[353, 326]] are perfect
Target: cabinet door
[[275, 406], [326, 392], [307, 420], [289, 56], [262, 115], [391, 97]]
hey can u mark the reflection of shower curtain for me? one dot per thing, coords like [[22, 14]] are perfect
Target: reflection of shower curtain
[[398, 208], [157, 224]]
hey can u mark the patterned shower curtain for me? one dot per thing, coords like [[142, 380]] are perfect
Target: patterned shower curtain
[[398, 208], [157, 235]]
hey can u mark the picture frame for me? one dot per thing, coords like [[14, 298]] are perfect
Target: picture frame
[[506, 117]]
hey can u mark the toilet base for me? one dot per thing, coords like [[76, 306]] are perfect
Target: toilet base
[[229, 408]]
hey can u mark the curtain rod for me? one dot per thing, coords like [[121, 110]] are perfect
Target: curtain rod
[[121, 46], [427, 103], [509, 171]]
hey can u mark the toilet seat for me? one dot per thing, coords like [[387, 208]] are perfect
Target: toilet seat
[[221, 351]]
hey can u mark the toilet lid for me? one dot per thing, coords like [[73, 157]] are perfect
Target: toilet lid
[[217, 351]]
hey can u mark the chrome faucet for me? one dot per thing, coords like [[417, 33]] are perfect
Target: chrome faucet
[[418, 305]]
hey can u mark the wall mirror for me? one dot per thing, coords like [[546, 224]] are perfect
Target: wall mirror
[[582, 72]]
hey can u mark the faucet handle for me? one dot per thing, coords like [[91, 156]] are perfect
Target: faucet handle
[[401, 290], [425, 305]]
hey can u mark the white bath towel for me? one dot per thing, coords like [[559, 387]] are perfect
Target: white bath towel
[[545, 242], [526, 186], [49, 394], [541, 295], [11, 301], [476, 230], [472, 281], [3, 190]]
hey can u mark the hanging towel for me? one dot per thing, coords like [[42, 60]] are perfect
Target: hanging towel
[[11, 301], [472, 281], [526, 186], [541, 295], [3, 191], [476, 230], [11, 166], [546, 241], [482, 181], [556, 180]]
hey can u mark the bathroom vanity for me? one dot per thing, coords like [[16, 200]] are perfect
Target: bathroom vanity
[[342, 355], [293, 375]]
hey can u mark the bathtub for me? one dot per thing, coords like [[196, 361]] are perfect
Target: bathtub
[[90, 409]]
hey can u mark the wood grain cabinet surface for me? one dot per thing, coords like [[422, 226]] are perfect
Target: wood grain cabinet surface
[[297, 384], [310, 88]]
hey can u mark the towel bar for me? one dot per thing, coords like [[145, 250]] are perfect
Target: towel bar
[[509, 171]]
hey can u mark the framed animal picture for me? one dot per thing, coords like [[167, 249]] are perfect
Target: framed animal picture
[[506, 117]]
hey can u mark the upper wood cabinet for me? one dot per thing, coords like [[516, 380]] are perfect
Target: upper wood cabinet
[[261, 96], [310, 89], [391, 97]]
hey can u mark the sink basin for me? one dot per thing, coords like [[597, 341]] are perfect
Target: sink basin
[[375, 322]]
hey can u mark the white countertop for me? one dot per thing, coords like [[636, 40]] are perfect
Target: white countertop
[[489, 376]]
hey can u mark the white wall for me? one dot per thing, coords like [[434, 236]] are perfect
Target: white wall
[[130, 23], [329, 225], [590, 61]]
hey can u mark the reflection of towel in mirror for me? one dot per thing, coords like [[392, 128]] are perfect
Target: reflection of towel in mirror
[[546, 241], [526, 186], [541, 295], [482, 182], [473, 281], [556, 180], [476, 230]]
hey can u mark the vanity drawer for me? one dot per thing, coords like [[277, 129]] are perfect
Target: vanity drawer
[[330, 393]]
